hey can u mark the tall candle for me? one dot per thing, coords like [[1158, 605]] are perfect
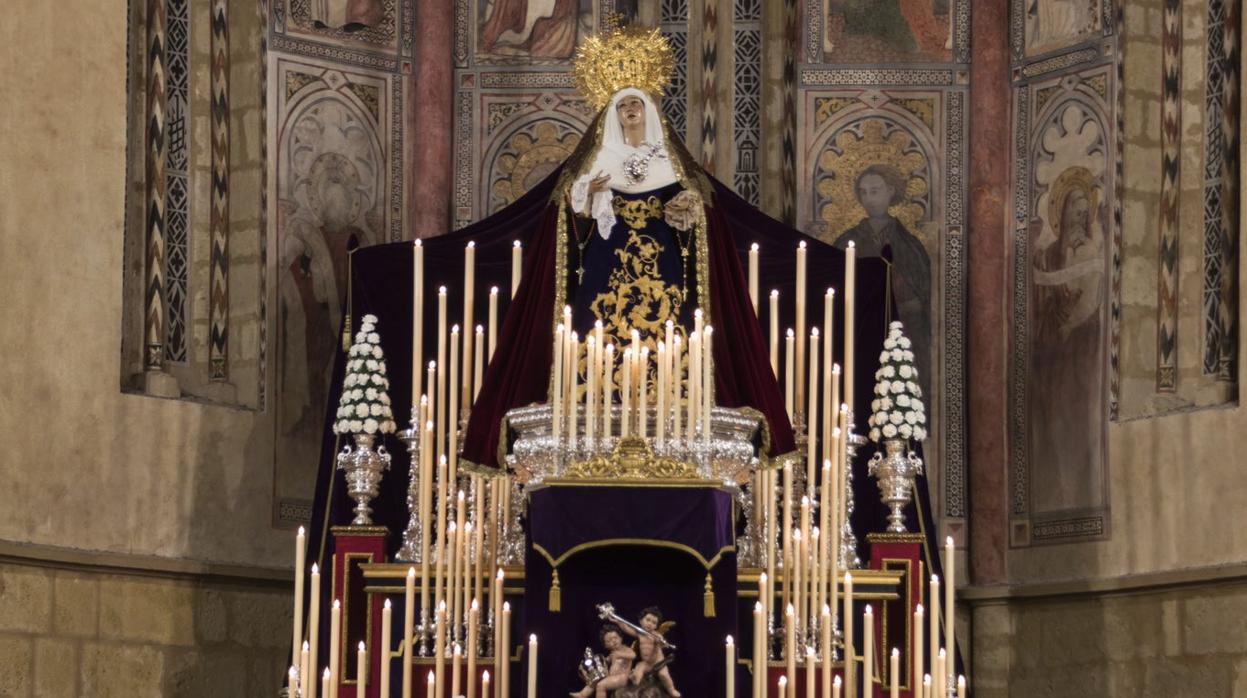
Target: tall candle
[[608, 390], [917, 658], [336, 646], [313, 620], [774, 320], [469, 306], [573, 419], [759, 650], [810, 661], [409, 610], [790, 397], [707, 382], [816, 577], [798, 552], [504, 684], [485, 685], [800, 372], [677, 361], [850, 318], [452, 426], [326, 682], [387, 641], [517, 266], [940, 681], [300, 560], [694, 378], [961, 687], [926, 685], [426, 505], [417, 314], [783, 687], [768, 491], [835, 687], [456, 663], [753, 276], [361, 671], [660, 397], [828, 338], [478, 363], [847, 619], [439, 581], [827, 562], [894, 670], [934, 623], [828, 649], [790, 647], [439, 646], [556, 393], [493, 322], [625, 418], [478, 543], [811, 415], [868, 652], [950, 605], [305, 673], [431, 691], [643, 401], [786, 531], [591, 386], [532, 666], [729, 668], [456, 569], [499, 644], [474, 617], [440, 392], [469, 530], [292, 681]]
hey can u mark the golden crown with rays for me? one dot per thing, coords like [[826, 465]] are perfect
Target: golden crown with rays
[[630, 56]]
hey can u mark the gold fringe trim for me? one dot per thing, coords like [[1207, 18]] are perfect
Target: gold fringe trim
[[556, 594], [708, 598]]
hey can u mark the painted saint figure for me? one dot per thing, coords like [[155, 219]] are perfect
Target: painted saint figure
[[880, 234], [1067, 394]]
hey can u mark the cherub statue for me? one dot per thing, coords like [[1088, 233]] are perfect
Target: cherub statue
[[651, 643], [620, 658]]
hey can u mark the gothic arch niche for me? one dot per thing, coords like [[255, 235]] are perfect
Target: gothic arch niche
[[332, 189]]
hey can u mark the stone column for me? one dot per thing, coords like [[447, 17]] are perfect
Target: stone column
[[429, 119], [987, 327]]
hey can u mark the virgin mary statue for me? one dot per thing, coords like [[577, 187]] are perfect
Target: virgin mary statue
[[630, 236]]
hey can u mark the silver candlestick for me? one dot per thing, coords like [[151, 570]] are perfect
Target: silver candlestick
[[413, 535], [364, 467], [848, 540], [895, 474]]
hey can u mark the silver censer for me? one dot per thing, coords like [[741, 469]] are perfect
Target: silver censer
[[363, 466], [895, 473]]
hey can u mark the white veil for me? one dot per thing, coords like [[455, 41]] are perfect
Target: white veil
[[609, 160]]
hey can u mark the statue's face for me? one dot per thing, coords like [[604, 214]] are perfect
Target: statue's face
[[875, 194], [649, 621], [612, 641], [631, 110]]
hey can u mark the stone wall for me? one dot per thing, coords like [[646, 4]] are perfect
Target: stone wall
[[75, 632], [1172, 641]]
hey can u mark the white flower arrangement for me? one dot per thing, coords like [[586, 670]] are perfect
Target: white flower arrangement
[[364, 407], [897, 410]]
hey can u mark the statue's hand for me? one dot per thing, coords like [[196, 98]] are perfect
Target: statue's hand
[[599, 183]]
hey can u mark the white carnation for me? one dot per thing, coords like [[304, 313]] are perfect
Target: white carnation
[[906, 431], [371, 364], [370, 393], [874, 405], [885, 403], [356, 426], [913, 387], [385, 412], [902, 400], [920, 433], [370, 426], [376, 352], [385, 399], [921, 418], [377, 379], [907, 371], [896, 418], [904, 342], [374, 338], [387, 428], [370, 319], [883, 357], [911, 417], [897, 387], [349, 380], [381, 368], [881, 388], [895, 325], [889, 371], [889, 343], [375, 410], [897, 355], [889, 431], [874, 434], [907, 355], [361, 410]]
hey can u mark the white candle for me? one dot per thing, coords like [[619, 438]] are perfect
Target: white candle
[[387, 641], [926, 685], [499, 643], [300, 560], [810, 661], [811, 415], [935, 624], [335, 646], [417, 315], [478, 363], [868, 652], [439, 646], [591, 386], [801, 293], [677, 380], [917, 659], [305, 671], [961, 687], [469, 306], [532, 666], [707, 382], [790, 647], [895, 670], [783, 687], [829, 335], [608, 390], [466, 568], [694, 377], [759, 650], [474, 616], [753, 276], [456, 662], [292, 682], [774, 319], [847, 615], [835, 687], [517, 266], [556, 394], [493, 322], [439, 581], [850, 317], [729, 668], [642, 410], [825, 627], [625, 424], [815, 600], [573, 419], [409, 610], [426, 508], [950, 605], [485, 684], [453, 418], [786, 531], [504, 685], [940, 681], [432, 687], [790, 397], [313, 619], [440, 392], [660, 397], [361, 671], [326, 682]]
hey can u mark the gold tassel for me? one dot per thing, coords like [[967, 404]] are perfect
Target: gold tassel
[[346, 333], [708, 598], [556, 596]]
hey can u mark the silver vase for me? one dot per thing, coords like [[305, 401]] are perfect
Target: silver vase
[[363, 466], [895, 472]]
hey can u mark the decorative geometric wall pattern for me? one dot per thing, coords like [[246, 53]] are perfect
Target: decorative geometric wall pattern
[[673, 21], [747, 97], [177, 166]]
